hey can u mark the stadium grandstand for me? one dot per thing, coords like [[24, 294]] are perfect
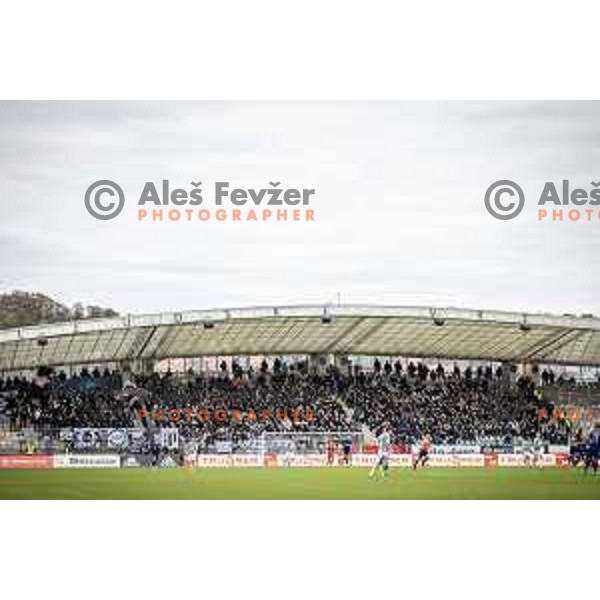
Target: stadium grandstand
[[470, 379]]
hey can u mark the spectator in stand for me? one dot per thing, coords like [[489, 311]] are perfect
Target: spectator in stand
[[474, 406]]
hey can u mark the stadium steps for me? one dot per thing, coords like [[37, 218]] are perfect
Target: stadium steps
[[349, 412]]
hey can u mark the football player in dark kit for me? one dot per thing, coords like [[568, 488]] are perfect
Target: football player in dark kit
[[592, 452], [577, 454], [347, 452]]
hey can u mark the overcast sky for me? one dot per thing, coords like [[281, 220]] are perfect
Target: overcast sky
[[399, 206]]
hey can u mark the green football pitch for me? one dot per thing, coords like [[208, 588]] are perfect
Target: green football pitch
[[298, 483]]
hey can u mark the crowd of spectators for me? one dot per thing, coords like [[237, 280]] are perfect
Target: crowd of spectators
[[454, 406], [87, 399]]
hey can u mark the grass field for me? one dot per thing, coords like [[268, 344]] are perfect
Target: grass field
[[297, 483]]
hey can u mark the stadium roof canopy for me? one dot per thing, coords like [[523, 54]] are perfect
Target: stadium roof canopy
[[444, 333]]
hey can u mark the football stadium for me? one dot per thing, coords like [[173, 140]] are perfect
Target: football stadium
[[302, 402], [297, 326]]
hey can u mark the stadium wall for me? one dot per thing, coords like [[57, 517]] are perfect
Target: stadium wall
[[115, 461]]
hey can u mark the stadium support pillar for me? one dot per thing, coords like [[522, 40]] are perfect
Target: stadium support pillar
[[509, 375], [318, 362], [125, 368], [145, 366], [531, 371], [341, 362]]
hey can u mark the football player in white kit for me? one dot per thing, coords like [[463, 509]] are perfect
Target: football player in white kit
[[538, 452], [384, 441], [528, 454], [289, 453]]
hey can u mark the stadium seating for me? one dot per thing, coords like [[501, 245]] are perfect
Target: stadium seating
[[473, 406]]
